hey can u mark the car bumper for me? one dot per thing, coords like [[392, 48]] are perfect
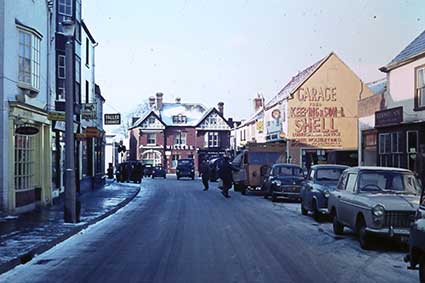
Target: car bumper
[[289, 195], [390, 231], [185, 174]]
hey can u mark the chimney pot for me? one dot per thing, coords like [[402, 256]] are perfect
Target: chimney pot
[[178, 100], [159, 96], [220, 106]]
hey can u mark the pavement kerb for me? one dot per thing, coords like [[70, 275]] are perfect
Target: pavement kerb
[[24, 258]]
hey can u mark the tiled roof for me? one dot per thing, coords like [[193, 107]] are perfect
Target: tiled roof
[[416, 47], [193, 113], [294, 83]]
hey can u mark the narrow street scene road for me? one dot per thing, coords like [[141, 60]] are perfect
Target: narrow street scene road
[[175, 232]]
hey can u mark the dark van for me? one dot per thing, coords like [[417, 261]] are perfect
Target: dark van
[[185, 168]]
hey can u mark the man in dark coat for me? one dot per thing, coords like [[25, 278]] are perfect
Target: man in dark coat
[[225, 174], [205, 174]]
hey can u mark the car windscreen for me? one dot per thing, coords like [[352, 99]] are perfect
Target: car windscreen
[[260, 158], [388, 182], [329, 174], [288, 171], [185, 162]]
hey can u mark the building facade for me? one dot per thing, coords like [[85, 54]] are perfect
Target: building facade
[[401, 127], [172, 131], [25, 175]]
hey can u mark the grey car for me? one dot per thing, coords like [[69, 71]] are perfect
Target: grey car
[[315, 191], [375, 201]]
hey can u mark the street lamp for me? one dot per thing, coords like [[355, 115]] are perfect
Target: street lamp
[[70, 213]]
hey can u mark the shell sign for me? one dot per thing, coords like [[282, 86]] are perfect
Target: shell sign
[[323, 110]]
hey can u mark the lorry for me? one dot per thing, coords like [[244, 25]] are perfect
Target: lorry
[[253, 163]]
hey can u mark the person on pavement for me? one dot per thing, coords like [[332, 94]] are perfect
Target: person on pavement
[[225, 174], [205, 174]]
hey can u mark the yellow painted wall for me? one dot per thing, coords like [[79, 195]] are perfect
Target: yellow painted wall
[[323, 111]]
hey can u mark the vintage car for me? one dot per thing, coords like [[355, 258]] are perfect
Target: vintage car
[[416, 254], [214, 165], [185, 168], [320, 181], [284, 180], [159, 171], [147, 170], [375, 201], [252, 165]]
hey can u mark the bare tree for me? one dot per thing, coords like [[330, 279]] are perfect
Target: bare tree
[[127, 119]]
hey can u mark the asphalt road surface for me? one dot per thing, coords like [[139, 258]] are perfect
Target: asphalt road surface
[[175, 232]]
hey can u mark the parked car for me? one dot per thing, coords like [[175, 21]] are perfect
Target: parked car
[[253, 164], [283, 180], [185, 168], [416, 254], [129, 171], [375, 201], [147, 171], [315, 190], [159, 171]]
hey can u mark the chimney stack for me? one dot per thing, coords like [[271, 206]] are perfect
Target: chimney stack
[[258, 103], [151, 102], [159, 96], [220, 106]]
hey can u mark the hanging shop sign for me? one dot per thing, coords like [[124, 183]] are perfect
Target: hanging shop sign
[[26, 130], [112, 119], [56, 116], [88, 111], [92, 132]]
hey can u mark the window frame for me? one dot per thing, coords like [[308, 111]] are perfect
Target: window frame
[[149, 137], [24, 147], [29, 79], [419, 106], [355, 186]]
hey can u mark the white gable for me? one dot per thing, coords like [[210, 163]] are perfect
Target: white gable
[[214, 122], [151, 122]]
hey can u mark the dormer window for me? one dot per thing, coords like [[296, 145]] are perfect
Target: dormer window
[[179, 119]]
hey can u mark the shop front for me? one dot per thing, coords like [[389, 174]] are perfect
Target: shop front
[[400, 144], [29, 158]]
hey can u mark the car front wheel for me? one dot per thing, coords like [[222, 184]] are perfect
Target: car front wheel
[[303, 210], [337, 226]]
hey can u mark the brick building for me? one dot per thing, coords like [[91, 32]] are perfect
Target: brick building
[[168, 132]]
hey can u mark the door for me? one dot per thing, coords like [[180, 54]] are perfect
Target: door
[[346, 199]]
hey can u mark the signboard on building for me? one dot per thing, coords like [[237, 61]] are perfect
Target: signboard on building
[[91, 132], [88, 111], [259, 125], [112, 119], [389, 116], [56, 116], [26, 130]]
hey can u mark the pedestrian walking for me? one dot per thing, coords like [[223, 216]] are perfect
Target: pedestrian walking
[[225, 174], [205, 174]]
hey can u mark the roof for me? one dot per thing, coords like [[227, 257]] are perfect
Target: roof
[[257, 115], [377, 168], [86, 29], [144, 117], [414, 49], [329, 166], [286, 165], [207, 113], [98, 92], [295, 82], [193, 112], [379, 86]]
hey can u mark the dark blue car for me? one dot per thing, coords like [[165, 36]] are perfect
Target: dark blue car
[[315, 190], [284, 180]]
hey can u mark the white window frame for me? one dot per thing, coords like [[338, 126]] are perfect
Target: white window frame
[[24, 163], [149, 138], [61, 66], [65, 7], [29, 59], [180, 138], [420, 87], [213, 139]]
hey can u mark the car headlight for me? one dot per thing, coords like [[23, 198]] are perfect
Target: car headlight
[[378, 210], [277, 183], [326, 194]]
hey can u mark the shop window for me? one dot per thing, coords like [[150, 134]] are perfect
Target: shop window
[[412, 149], [24, 163], [390, 149], [420, 88], [174, 159]]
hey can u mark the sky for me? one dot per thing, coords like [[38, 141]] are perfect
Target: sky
[[221, 50]]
